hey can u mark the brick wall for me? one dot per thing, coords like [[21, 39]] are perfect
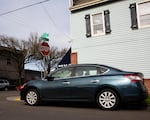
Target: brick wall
[[147, 84]]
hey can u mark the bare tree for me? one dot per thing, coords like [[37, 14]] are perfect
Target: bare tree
[[34, 53], [33, 48], [29, 51]]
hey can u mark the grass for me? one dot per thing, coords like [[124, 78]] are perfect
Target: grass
[[148, 100]]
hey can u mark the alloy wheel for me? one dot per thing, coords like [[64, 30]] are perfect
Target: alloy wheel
[[32, 97], [107, 99]]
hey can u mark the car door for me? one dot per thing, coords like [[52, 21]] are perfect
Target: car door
[[59, 87], [85, 84]]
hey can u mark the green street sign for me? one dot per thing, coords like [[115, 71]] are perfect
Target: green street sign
[[44, 37]]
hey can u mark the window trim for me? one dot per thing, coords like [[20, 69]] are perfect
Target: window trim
[[138, 16], [92, 28]]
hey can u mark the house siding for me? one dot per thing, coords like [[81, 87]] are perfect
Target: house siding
[[8, 68], [124, 48]]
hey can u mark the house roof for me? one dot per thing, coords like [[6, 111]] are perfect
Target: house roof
[[35, 66], [5, 50], [78, 2], [82, 4]]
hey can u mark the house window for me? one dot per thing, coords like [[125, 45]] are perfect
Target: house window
[[144, 14], [8, 61], [97, 24]]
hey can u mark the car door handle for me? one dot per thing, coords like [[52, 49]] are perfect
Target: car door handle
[[95, 81], [66, 83]]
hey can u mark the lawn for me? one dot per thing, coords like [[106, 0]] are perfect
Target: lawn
[[148, 100]]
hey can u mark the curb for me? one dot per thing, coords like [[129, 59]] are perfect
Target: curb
[[13, 98]]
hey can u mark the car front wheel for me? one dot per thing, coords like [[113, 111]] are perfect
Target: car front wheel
[[107, 99], [32, 97]]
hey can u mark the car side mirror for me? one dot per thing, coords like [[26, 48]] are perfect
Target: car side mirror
[[49, 78]]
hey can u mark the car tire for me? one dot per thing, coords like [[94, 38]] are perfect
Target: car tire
[[107, 99], [32, 97]]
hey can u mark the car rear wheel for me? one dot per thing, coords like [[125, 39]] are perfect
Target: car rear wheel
[[107, 99], [32, 97]]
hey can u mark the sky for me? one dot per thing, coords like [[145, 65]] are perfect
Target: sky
[[50, 17]]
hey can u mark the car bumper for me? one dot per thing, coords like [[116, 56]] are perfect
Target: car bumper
[[135, 98], [22, 94]]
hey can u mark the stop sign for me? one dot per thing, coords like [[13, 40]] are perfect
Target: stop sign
[[44, 48]]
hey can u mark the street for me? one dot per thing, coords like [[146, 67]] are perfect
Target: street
[[14, 109]]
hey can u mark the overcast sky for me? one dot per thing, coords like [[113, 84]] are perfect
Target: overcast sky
[[49, 17]]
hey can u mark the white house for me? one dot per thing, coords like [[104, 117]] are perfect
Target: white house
[[112, 32]]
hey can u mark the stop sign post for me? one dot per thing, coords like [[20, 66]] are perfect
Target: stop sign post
[[44, 49]]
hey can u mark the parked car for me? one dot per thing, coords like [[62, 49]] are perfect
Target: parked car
[[107, 86], [4, 84]]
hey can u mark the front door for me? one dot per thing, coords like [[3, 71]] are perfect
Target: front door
[[59, 87]]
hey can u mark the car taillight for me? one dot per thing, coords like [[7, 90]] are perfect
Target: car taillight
[[22, 86], [134, 78]]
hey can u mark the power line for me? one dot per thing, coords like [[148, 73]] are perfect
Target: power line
[[11, 11], [53, 22]]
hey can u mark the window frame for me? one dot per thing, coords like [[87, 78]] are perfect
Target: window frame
[[138, 14], [92, 25], [8, 62]]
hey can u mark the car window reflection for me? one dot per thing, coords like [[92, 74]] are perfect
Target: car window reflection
[[60, 74], [90, 70]]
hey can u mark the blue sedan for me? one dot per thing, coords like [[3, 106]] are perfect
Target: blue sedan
[[107, 86]]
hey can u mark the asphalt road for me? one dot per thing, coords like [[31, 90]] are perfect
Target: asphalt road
[[11, 108]]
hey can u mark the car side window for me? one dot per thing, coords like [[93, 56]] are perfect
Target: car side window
[[101, 70], [85, 71], [89, 70], [62, 73]]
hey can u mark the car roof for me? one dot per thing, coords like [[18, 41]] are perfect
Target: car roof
[[90, 64]]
